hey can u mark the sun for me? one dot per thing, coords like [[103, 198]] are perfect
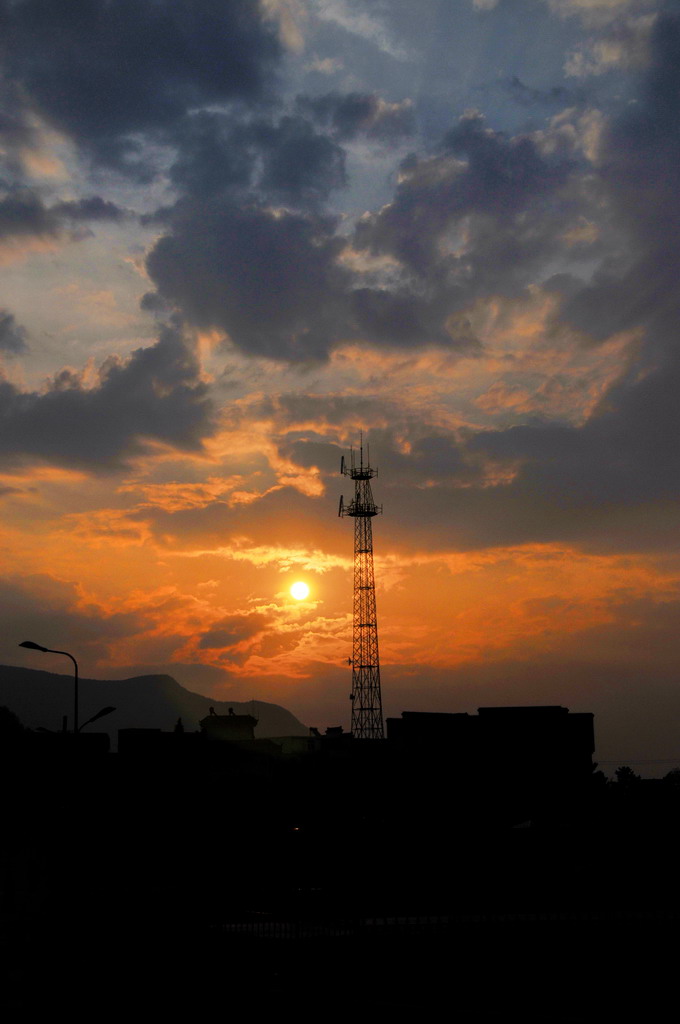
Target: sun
[[299, 590]]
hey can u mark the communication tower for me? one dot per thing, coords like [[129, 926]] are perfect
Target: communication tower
[[367, 718]]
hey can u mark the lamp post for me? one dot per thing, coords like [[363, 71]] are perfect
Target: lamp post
[[48, 650]]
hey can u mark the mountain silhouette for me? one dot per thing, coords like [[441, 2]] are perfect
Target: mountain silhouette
[[40, 699]]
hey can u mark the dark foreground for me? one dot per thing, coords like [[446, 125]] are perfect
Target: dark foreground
[[159, 888]]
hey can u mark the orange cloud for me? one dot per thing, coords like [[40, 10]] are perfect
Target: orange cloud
[[177, 495], [106, 527], [242, 550], [16, 250]]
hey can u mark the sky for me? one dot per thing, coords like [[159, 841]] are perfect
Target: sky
[[234, 235]]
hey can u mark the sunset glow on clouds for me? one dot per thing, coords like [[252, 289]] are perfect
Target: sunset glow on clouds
[[289, 222]]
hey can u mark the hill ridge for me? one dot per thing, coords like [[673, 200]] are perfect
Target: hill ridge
[[156, 700]]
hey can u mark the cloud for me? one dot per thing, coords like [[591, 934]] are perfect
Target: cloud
[[274, 281], [92, 208], [290, 16], [18, 139], [622, 44], [282, 159], [283, 283], [244, 531], [352, 114], [608, 485], [248, 251], [155, 396], [175, 495], [598, 13], [282, 557], [479, 174], [269, 279], [24, 217], [45, 609], [526, 96], [636, 287], [12, 334], [367, 26], [104, 73], [22, 213], [596, 481], [233, 630]]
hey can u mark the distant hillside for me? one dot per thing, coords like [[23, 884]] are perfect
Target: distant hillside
[[42, 698]]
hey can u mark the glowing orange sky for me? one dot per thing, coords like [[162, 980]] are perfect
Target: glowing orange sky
[[435, 234]]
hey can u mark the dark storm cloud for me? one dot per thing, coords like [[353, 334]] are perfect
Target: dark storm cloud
[[626, 456], [153, 303], [216, 153], [433, 457], [43, 607], [104, 72], [16, 136], [352, 114], [23, 214], [274, 281], [156, 395], [301, 164], [233, 629], [639, 289], [611, 483], [93, 208], [269, 279], [14, 132], [403, 318], [282, 518], [285, 159], [323, 409], [479, 172], [12, 334], [293, 157]]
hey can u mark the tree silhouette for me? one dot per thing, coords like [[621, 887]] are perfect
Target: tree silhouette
[[625, 776], [12, 731], [10, 725]]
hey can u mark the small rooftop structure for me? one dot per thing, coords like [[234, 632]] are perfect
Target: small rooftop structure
[[229, 728]]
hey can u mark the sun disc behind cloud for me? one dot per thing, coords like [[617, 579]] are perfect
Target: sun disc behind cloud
[[299, 590]]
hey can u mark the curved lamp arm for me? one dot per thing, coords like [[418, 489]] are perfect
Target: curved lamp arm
[[49, 650]]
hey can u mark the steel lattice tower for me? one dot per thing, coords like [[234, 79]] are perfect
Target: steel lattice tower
[[367, 718]]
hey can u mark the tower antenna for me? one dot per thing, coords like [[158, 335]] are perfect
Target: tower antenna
[[367, 718]]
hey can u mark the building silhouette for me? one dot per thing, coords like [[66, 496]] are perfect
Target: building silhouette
[[546, 740]]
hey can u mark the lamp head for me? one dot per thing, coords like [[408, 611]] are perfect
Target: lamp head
[[100, 714], [32, 646]]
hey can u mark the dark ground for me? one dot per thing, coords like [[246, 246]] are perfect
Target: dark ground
[[241, 885]]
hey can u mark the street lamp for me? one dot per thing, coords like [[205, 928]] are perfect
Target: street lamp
[[100, 714], [48, 650]]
